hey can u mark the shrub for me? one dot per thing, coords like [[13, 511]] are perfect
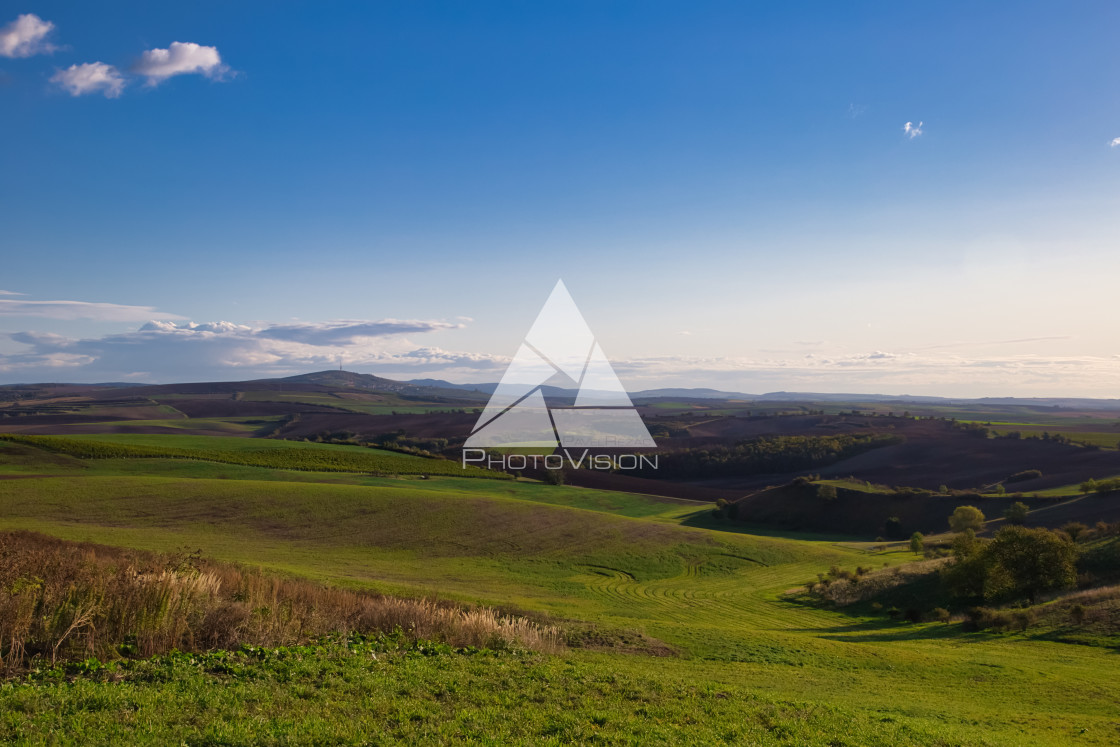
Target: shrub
[[966, 517], [1027, 474], [1016, 513], [1018, 562], [1075, 529], [557, 477], [984, 618], [917, 542], [1077, 614]]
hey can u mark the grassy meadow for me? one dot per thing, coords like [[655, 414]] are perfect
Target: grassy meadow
[[274, 454], [742, 655]]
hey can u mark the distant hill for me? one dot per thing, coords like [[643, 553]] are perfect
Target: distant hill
[[691, 394], [559, 392], [332, 380], [350, 380]]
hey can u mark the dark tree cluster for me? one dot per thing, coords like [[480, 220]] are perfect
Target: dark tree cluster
[[768, 455]]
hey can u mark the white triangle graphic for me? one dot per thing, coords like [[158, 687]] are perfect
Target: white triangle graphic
[[561, 346], [525, 424], [526, 372], [600, 386]]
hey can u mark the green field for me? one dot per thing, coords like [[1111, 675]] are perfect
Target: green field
[[386, 404], [1108, 440], [233, 426], [274, 454], [755, 662]]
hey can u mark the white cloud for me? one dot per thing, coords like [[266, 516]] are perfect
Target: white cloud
[[105, 312], [882, 373], [180, 58], [11, 293], [165, 351], [189, 351], [1115, 143], [913, 130], [90, 77], [26, 36]]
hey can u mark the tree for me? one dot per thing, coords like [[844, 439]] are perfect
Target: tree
[[826, 492], [966, 517], [1075, 529], [1023, 562], [893, 528], [553, 476], [965, 576], [1088, 486], [917, 542], [1017, 513]]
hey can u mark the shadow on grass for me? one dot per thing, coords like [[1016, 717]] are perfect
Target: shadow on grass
[[888, 630], [703, 519]]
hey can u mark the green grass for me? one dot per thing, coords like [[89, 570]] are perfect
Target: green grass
[[376, 405], [288, 455], [359, 692], [756, 664], [216, 426]]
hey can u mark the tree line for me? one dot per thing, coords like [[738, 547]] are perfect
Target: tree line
[[768, 454]]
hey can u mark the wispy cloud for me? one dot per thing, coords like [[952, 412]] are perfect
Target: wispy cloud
[[348, 332], [180, 58], [26, 36], [187, 351], [913, 130], [90, 77], [884, 373], [1115, 143], [986, 343], [11, 293], [105, 312]]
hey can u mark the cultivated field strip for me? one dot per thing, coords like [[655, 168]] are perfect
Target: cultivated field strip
[[750, 597]]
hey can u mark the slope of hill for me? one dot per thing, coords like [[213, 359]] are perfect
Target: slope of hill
[[868, 511], [719, 598]]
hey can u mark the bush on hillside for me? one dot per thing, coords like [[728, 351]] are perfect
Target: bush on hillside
[[1017, 563], [966, 517], [1027, 474]]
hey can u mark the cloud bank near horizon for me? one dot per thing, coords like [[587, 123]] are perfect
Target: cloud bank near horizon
[[164, 351], [171, 350]]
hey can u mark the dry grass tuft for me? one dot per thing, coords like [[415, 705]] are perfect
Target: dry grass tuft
[[64, 600]]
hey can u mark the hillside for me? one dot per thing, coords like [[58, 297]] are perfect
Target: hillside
[[866, 511], [616, 570]]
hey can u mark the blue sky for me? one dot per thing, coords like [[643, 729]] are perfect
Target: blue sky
[[727, 189]]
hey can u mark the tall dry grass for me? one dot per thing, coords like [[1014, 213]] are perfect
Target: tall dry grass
[[63, 600]]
